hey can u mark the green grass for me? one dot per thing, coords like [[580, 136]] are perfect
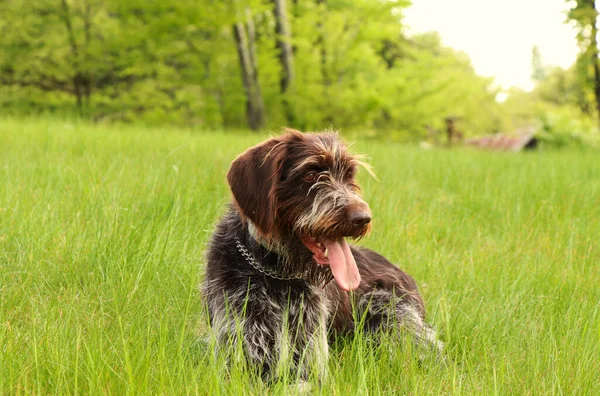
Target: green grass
[[102, 231]]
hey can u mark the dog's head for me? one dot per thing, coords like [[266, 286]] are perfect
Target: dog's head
[[303, 185]]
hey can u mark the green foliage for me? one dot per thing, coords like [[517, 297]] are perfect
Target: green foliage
[[583, 14], [428, 82], [564, 102], [176, 62], [567, 127], [538, 72], [561, 87], [561, 106], [102, 231], [519, 109], [552, 108]]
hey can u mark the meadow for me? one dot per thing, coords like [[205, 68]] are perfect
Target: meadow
[[102, 232]]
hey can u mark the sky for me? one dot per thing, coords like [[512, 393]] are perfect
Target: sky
[[498, 35]]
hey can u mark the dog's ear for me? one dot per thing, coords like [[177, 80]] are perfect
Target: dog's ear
[[253, 179]]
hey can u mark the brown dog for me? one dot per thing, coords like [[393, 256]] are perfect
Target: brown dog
[[274, 254]]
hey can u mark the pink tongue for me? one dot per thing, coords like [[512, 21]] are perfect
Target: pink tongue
[[342, 264]]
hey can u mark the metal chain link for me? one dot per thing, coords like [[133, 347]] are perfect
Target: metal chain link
[[257, 266]]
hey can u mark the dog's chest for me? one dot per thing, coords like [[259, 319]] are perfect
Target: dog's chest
[[300, 306]]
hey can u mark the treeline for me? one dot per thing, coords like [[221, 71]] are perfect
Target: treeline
[[237, 64], [564, 105]]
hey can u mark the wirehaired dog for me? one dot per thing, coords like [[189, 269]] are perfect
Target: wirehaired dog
[[280, 276]]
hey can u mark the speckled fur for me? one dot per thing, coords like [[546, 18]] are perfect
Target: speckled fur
[[287, 323]]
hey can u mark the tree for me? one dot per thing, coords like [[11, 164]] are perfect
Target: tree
[[52, 49], [286, 56], [231, 64], [245, 39], [538, 73], [585, 15]]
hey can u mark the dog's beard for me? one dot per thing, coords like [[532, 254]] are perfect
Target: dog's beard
[[294, 260], [297, 260], [313, 245], [323, 233], [336, 254], [326, 242]]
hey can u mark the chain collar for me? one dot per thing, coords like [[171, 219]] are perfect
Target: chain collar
[[272, 246], [257, 266]]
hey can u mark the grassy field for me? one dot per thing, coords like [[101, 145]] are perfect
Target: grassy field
[[102, 231]]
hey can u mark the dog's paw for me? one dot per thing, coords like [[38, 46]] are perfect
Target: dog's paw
[[299, 388]]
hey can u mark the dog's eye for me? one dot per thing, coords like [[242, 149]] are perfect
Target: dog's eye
[[310, 177], [349, 174]]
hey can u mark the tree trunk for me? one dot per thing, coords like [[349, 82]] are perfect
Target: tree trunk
[[76, 79], [286, 54], [284, 36], [87, 26], [321, 43], [246, 48], [594, 56]]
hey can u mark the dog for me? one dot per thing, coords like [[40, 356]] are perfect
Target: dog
[[281, 278]]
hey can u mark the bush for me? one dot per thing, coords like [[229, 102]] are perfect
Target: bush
[[563, 127]]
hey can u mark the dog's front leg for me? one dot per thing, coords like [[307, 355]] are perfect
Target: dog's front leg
[[383, 310], [318, 346], [262, 339]]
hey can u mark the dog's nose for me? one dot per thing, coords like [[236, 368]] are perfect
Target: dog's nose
[[359, 214]]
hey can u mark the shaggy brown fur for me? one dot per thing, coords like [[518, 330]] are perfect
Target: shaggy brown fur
[[278, 265]]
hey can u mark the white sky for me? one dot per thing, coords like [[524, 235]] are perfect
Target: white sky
[[498, 34]]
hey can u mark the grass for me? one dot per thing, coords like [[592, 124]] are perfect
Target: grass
[[102, 231]]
